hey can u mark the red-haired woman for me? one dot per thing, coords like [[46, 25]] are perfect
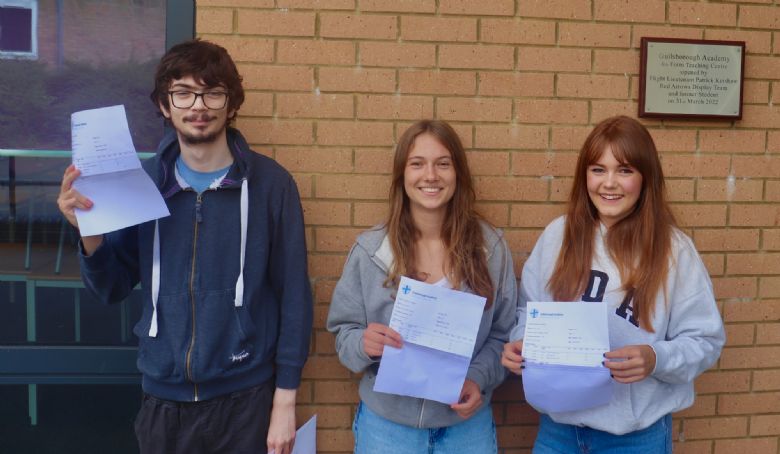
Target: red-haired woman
[[618, 245], [433, 234]]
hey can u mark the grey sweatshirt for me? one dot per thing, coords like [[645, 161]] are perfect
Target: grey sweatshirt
[[688, 328], [361, 298]]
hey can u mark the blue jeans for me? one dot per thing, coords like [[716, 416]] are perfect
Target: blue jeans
[[377, 435], [555, 438]]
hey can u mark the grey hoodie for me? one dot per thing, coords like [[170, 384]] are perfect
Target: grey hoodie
[[361, 298]]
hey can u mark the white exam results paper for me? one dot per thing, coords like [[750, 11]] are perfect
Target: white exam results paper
[[111, 174], [305, 438], [439, 328], [563, 348]]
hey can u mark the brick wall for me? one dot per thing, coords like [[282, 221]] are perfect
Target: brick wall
[[332, 84]]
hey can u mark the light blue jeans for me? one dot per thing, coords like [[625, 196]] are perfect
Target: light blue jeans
[[555, 438], [377, 435]]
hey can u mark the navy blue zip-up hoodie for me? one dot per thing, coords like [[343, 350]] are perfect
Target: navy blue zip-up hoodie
[[206, 345]]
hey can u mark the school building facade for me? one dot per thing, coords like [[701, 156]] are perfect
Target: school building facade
[[332, 84]]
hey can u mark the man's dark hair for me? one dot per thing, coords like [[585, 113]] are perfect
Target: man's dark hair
[[207, 63]]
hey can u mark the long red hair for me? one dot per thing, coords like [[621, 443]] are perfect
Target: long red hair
[[461, 231], [641, 243]]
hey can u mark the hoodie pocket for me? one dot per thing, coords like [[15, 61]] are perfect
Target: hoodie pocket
[[224, 336], [164, 357]]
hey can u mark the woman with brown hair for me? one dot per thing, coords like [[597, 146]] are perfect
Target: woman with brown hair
[[433, 234], [618, 245]]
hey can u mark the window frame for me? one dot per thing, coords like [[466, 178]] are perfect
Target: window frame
[[32, 5]]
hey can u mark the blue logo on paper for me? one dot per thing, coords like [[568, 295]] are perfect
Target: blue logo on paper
[[534, 313], [406, 289]]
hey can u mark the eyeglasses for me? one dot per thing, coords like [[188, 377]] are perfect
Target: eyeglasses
[[214, 100]]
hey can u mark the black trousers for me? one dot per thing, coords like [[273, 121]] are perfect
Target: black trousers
[[235, 423]]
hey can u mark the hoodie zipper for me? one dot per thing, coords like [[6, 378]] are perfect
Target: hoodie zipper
[[198, 220]]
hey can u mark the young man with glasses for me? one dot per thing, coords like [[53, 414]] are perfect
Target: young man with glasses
[[227, 303]]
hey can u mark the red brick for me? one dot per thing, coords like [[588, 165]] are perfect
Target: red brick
[[476, 56], [756, 91], [770, 239], [763, 215], [496, 213], [702, 406], [692, 447], [534, 215], [275, 23], [680, 190], [294, 105], [374, 160], [700, 215], [335, 392], [757, 263], [397, 54], [510, 189], [735, 287], [752, 403], [593, 35], [437, 82], [726, 427], [517, 31], [335, 239], [750, 358], [760, 116], [772, 191], [323, 293], [276, 131], [551, 111], [665, 31], [320, 160], [558, 9], [242, 49], [335, 440], [695, 13], [773, 142], [756, 42], [315, 52], [766, 380], [753, 311], [630, 10], [737, 190], [732, 141], [368, 214], [315, 4], [481, 8], [282, 78], [769, 287], [601, 110], [715, 263], [592, 86], [553, 59], [768, 333], [214, 20], [304, 183], [514, 136], [354, 133], [765, 425], [516, 436], [328, 416], [257, 104], [752, 446], [536, 164], [320, 212], [320, 266], [395, 107], [474, 109], [482, 163], [675, 165], [324, 342], [767, 17], [522, 241], [423, 28], [324, 367], [237, 3], [612, 61], [712, 382], [357, 80], [674, 140], [358, 26], [352, 187], [560, 188], [515, 84], [404, 6], [757, 167], [762, 67], [726, 239]]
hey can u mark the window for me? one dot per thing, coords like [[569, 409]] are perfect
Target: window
[[18, 29]]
